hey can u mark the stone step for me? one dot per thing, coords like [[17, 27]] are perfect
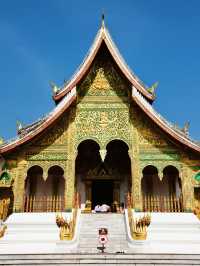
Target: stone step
[[88, 236], [110, 245], [95, 233], [102, 259], [172, 237]]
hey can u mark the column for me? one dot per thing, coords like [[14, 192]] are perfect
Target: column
[[136, 181], [187, 189], [19, 186], [70, 164], [69, 182]]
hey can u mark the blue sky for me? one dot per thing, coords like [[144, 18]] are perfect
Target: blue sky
[[43, 41]]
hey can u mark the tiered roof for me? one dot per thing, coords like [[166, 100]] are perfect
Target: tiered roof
[[104, 36], [67, 94]]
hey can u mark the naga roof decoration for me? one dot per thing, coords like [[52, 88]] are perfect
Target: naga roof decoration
[[68, 94], [27, 133], [170, 129], [103, 35]]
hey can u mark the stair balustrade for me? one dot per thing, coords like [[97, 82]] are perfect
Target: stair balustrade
[[4, 207], [67, 228]]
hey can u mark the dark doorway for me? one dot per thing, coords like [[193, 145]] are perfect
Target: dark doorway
[[102, 192]]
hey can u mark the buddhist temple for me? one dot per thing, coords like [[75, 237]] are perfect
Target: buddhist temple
[[103, 139]]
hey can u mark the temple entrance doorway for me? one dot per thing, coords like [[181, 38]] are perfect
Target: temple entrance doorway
[[102, 192], [103, 176]]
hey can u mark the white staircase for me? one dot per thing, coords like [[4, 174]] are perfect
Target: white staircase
[[134, 259], [175, 233], [88, 236], [172, 237], [30, 233]]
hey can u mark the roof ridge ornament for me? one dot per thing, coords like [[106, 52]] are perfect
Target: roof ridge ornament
[[153, 88], [103, 20], [186, 127], [54, 87], [1, 140], [19, 125]]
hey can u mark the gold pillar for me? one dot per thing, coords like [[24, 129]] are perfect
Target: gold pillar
[[19, 186], [136, 187], [135, 162], [70, 183], [70, 164], [187, 189], [136, 181]]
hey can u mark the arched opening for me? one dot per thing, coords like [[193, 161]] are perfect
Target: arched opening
[[117, 156], [55, 183], [118, 162], [171, 182], [88, 156], [103, 178], [88, 159], [162, 195], [44, 196], [150, 181], [34, 183]]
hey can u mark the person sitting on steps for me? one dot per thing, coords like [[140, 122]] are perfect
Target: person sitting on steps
[[105, 208], [97, 209]]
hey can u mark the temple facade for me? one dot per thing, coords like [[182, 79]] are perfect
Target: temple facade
[[103, 139]]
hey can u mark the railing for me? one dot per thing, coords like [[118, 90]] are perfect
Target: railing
[[67, 227], [138, 226], [43, 204], [160, 203]]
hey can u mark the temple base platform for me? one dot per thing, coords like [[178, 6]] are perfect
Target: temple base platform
[[31, 233], [37, 233], [170, 233]]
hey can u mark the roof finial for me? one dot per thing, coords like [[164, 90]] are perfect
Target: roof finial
[[102, 20]]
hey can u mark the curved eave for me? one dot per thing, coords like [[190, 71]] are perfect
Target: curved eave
[[58, 111], [103, 35], [167, 129]]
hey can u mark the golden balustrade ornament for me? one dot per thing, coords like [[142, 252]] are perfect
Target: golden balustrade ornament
[[67, 227], [197, 211], [138, 227], [88, 207], [4, 207], [2, 230]]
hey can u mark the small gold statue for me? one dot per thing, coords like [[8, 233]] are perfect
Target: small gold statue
[[140, 227], [66, 227]]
